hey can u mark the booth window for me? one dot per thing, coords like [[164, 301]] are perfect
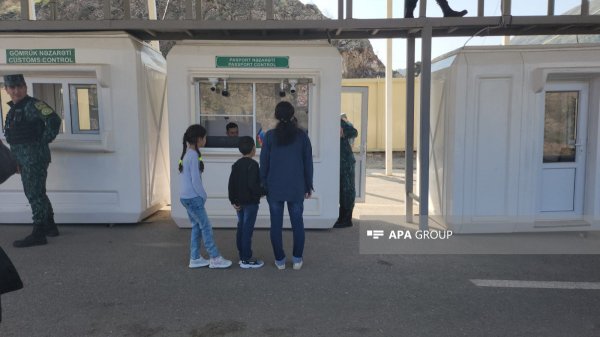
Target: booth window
[[560, 126], [250, 104], [79, 109], [84, 108], [4, 99], [75, 100]]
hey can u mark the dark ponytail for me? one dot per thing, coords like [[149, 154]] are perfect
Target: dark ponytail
[[191, 136], [287, 127]]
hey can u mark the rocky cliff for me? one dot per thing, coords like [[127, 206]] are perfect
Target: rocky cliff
[[359, 60]]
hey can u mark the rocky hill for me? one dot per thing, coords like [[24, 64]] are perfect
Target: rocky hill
[[359, 59]]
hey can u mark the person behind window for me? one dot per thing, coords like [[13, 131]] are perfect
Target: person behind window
[[244, 194], [286, 172], [410, 5], [232, 129], [30, 126], [193, 197], [347, 188]]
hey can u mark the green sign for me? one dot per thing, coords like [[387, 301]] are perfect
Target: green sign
[[253, 61], [44, 56]]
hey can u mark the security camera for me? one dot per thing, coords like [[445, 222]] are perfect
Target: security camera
[[225, 92], [282, 89], [213, 83], [293, 86]]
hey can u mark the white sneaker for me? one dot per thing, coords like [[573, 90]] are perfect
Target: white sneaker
[[280, 266], [198, 263], [298, 265], [219, 262]]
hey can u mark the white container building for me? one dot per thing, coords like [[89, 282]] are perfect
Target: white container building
[[255, 74], [515, 144], [110, 162]]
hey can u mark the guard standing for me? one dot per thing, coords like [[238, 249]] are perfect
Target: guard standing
[[347, 188], [30, 126]]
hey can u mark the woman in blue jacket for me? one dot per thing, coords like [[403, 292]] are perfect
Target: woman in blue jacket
[[286, 171]]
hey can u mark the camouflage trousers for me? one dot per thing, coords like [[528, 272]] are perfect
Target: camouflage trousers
[[347, 189], [34, 177]]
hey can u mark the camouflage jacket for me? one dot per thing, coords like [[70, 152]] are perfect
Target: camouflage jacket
[[43, 125], [346, 155]]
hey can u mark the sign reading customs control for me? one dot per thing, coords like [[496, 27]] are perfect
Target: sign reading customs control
[[40, 56], [252, 62]]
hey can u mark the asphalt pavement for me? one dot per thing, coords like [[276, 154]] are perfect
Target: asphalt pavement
[[133, 280]]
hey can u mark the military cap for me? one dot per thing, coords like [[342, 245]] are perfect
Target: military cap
[[14, 80]]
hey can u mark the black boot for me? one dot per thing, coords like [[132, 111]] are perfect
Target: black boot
[[339, 219], [50, 229], [345, 217], [348, 219], [449, 12], [36, 238], [409, 8]]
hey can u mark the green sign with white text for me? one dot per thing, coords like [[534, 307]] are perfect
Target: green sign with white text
[[40, 56], [252, 62]]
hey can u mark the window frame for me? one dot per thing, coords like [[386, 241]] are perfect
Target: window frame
[[66, 82], [254, 80], [74, 116], [2, 104]]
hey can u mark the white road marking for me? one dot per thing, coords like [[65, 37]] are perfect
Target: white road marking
[[537, 284]]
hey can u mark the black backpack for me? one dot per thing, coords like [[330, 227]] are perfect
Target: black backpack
[[9, 278]]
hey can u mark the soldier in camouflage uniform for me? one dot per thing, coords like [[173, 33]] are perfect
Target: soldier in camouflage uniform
[[347, 189], [30, 126]]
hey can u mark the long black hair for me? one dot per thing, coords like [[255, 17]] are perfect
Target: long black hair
[[287, 127], [191, 136]]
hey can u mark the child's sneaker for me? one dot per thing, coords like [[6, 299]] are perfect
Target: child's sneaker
[[251, 263], [297, 263], [198, 263], [280, 264], [219, 262]]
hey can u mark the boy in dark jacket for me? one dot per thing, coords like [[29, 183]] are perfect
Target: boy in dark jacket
[[244, 194]]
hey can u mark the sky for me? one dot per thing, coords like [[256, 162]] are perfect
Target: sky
[[377, 9]]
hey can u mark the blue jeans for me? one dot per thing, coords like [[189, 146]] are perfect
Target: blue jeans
[[245, 228], [295, 210], [201, 228]]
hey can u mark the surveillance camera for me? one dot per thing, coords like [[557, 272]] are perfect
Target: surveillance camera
[[293, 86], [225, 92], [282, 89], [213, 81]]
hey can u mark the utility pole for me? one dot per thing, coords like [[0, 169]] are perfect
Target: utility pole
[[389, 136], [27, 10], [152, 16]]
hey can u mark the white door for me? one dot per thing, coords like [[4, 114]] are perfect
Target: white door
[[562, 174], [355, 102]]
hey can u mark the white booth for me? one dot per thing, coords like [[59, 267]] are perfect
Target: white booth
[[515, 144], [110, 161], [215, 83]]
